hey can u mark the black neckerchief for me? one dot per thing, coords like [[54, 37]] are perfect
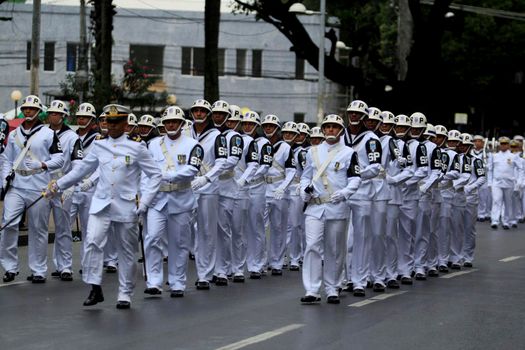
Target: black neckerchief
[[89, 138], [63, 129], [359, 137], [36, 128]]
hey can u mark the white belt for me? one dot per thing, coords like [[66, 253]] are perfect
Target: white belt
[[319, 200], [227, 175], [257, 181], [175, 187], [273, 179], [29, 172]]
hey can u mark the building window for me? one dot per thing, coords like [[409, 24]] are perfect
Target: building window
[[151, 56], [241, 62], [72, 57], [299, 68], [49, 56], [298, 117], [28, 56], [256, 63], [193, 61]]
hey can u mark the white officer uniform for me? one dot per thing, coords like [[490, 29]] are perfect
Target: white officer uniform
[[170, 211], [333, 172], [120, 162], [27, 187], [295, 229], [484, 194], [517, 194]]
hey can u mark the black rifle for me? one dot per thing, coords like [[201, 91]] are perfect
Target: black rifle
[[309, 190], [8, 181]]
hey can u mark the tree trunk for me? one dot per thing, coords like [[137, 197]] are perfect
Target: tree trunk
[[212, 17]]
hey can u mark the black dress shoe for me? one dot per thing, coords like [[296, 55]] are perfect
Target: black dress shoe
[[310, 299], [443, 269], [80, 271], [140, 260], [421, 277], [379, 288], [66, 276], [213, 279], [255, 275], [285, 266], [369, 285], [94, 297], [406, 280], [221, 281], [433, 273], [165, 259], [294, 268], [359, 292], [455, 267], [111, 269], [203, 285], [333, 299], [349, 287], [467, 264], [277, 272], [506, 227], [55, 273], [191, 256], [514, 225], [152, 291], [392, 284], [30, 277], [9, 276], [494, 226], [123, 305], [238, 279], [177, 294], [38, 279]]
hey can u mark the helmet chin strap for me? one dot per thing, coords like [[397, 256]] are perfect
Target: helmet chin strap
[[269, 136], [147, 134], [33, 117], [85, 126], [386, 132], [221, 124], [174, 132], [334, 137]]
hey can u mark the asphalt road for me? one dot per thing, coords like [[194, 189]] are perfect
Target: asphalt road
[[478, 308]]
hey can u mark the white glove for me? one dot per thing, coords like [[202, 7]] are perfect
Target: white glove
[[468, 189], [241, 182], [390, 180], [32, 164], [86, 185], [305, 196], [51, 190], [199, 182], [141, 210], [67, 194], [423, 189], [339, 196], [402, 161], [298, 190], [278, 194]]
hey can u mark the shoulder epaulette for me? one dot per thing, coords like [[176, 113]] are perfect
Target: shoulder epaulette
[[135, 138], [100, 137]]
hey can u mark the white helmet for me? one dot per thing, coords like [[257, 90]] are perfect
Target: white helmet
[[251, 117], [333, 119], [235, 113], [86, 110], [303, 128], [454, 135], [290, 127], [388, 117], [374, 114], [58, 106], [271, 119], [173, 113], [430, 130], [441, 130], [31, 101], [147, 120], [201, 103], [221, 106], [132, 119], [402, 120], [316, 132], [161, 128], [518, 138], [418, 120], [466, 139], [357, 106], [478, 138]]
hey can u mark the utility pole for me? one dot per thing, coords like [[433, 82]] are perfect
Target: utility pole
[[35, 48], [82, 69], [404, 38], [105, 67]]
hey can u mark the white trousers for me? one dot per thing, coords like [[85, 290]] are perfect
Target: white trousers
[[444, 231], [80, 206], [358, 242], [469, 241], [278, 216], [256, 235], [407, 231], [239, 233], [457, 233], [423, 232], [378, 243], [500, 197], [176, 227], [63, 245], [206, 236], [15, 203], [485, 201], [432, 251], [517, 212], [295, 230], [223, 262], [100, 227], [323, 237], [391, 238]]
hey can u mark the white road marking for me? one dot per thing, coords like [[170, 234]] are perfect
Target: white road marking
[[14, 283], [512, 258], [376, 298], [363, 303], [261, 337], [459, 273]]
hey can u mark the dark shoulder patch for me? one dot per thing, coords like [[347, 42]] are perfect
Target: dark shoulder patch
[[196, 156], [353, 169], [135, 138], [266, 154]]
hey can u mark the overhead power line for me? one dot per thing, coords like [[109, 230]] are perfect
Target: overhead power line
[[485, 11]]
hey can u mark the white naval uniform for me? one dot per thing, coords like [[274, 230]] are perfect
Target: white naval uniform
[[244, 172], [171, 208], [424, 214], [432, 256], [326, 220], [485, 197], [368, 149], [476, 181], [409, 208], [256, 235], [63, 245], [27, 187], [502, 169], [120, 162], [227, 193], [279, 176], [215, 153], [517, 194], [459, 205]]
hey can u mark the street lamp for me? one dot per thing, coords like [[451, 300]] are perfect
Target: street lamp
[[16, 95], [298, 9]]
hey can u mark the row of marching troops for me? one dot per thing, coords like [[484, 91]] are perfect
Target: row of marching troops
[[377, 201]]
